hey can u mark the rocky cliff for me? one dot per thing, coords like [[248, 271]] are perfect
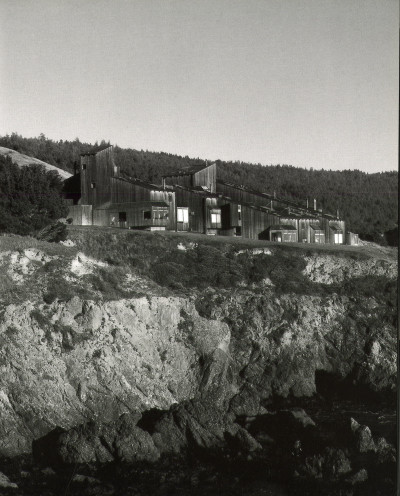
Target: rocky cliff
[[109, 352], [76, 347]]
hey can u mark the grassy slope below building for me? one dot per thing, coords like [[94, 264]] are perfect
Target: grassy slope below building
[[183, 261]]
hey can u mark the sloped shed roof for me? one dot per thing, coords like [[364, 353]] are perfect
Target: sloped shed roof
[[185, 171], [129, 205], [282, 227]]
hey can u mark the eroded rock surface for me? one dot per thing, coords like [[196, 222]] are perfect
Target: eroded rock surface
[[71, 360]]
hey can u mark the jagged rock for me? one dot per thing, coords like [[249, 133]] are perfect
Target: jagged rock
[[196, 423], [132, 444], [283, 427], [386, 453], [48, 471], [241, 439], [300, 417], [6, 483], [96, 442], [331, 464], [74, 360], [85, 479], [362, 436], [358, 477]]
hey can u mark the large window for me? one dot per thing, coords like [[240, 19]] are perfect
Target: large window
[[160, 213], [339, 238], [215, 217], [183, 215]]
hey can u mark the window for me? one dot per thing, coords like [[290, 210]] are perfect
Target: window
[[215, 217], [83, 166], [160, 213], [183, 215], [338, 238], [147, 214], [239, 212], [92, 185], [121, 216]]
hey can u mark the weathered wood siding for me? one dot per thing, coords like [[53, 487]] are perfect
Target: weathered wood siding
[[206, 177], [352, 238], [255, 223], [96, 171], [327, 224], [212, 205], [197, 205], [81, 215], [123, 191], [132, 216]]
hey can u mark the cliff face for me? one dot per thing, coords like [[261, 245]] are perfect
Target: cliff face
[[88, 357]]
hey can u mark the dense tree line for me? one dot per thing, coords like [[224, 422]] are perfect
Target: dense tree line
[[30, 197], [368, 202]]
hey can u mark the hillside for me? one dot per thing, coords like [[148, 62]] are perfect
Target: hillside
[[21, 159], [368, 202], [136, 356]]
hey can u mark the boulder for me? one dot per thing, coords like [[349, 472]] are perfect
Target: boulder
[[239, 438], [386, 452], [358, 477], [6, 483], [331, 464], [362, 437], [97, 442]]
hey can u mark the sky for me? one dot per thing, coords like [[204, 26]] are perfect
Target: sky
[[310, 83]]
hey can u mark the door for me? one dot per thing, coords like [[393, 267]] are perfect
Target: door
[[182, 218]]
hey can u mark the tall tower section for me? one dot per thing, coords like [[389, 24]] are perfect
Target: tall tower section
[[97, 169]]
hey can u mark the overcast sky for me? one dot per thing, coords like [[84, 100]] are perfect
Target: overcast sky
[[311, 83]]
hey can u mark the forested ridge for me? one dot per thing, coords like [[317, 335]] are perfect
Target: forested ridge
[[368, 202]]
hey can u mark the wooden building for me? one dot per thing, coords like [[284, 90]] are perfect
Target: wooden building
[[283, 233], [352, 238], [152, 215], [192, 200], [200, 177], [102, 196]]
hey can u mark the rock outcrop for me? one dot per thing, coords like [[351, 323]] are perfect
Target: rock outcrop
[[107, 364]]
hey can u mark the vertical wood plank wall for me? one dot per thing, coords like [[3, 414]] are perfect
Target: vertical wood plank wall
[[206, 177], [255, 223]]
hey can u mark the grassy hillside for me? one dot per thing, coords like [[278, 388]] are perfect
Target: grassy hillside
[[368, 202], [23, 160], [182, 262]]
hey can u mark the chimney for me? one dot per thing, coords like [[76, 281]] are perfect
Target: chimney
[[163, 183], [315, 204], [337, 214]]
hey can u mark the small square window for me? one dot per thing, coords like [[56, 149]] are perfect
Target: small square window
[[92, 185], [147, 214]]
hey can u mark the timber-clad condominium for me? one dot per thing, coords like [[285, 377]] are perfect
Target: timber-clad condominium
[[193, 200]]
